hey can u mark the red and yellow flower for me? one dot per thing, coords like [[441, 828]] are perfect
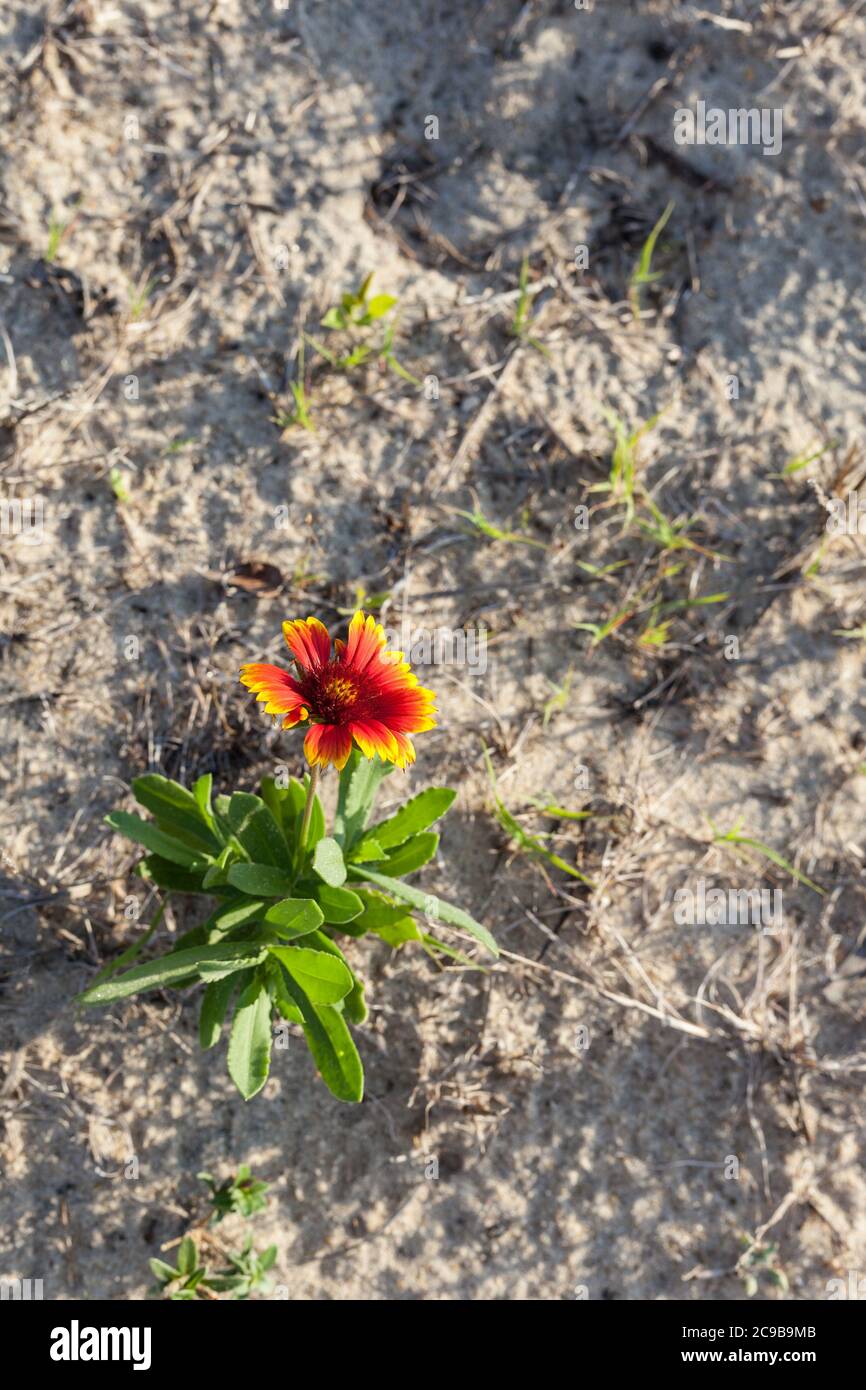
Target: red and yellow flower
[[361, 693]]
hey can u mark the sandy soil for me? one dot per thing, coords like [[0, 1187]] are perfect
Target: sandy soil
[[185, 189]]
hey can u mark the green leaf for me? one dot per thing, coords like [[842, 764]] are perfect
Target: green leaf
[[379, 911], [159, 794], [331, 1044], [128, 956], [237, 912], [274, 798], [359, 782], [397, 933], [367, 851], [294, 917], [153, 839], [208, 962], [217, 875], [334, 318], [187, 1256], [444, 912], [415, 816], [198, 936], [406, 858], [214, 1006], [263, 838], [170, 876], [283, 1001], [176, 810], [339, 905], [241, 805], [379, 305], [249, 1053], [290, 802], [323, 977], [162, 1272], [202, 790], [260, 880], [354, 1003], [328, 862]]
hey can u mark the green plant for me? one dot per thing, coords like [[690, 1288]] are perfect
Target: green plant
[[139, 297], [734, 837], [358, 310], [559, 699], [758, 1260], [241, 1193], [244, 1271], [301, 414], [58, 230], [521, 323], [622, 480], [188, 1280], [643, 274], [357, 313], [480, 523], [284, 887], [118, 484], [531, 844], [801, 461]]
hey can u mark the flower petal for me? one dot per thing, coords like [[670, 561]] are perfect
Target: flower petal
[[406, 751], [372, 737], [275, 686], [328, 743], [366, 636], [308, 642]]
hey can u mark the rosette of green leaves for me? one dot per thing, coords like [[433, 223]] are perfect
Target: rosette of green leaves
[[267, 951]]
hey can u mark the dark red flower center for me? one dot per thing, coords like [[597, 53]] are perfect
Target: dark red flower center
[[331, 692]]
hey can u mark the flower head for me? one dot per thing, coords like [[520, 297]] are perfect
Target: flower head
[[361, 692]]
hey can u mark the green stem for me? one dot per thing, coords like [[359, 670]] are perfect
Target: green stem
[[308, 811]]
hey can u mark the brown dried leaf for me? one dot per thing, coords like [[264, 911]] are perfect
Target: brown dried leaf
[[256, 577]]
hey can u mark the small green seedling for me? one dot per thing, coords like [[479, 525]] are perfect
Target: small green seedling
[[181, 1282], [246, 1272], [559, 699], [57, 230], [800, 461], [528, 844], [733, 837], [177, 446], [118, 484], [547, 808], [388, 359], [622, 480], [758, 1260], [479, 521], [522, 321], [139, 297], [356, 313], [599, 631], [600, 571], [643, 274], [300, 416], [358, 310], [241, 1193], [672, 535], [365, 600], [189, 1280]]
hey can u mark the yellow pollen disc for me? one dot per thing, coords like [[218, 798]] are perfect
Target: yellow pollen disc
[[342, 690]]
